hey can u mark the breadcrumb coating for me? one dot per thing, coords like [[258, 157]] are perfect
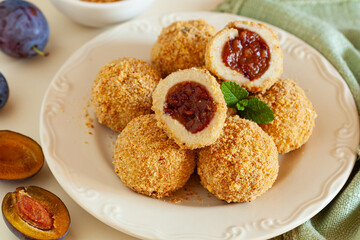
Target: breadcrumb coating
[[241, 165], [181, 45], [294, 115], [150, 163], [122, 91]]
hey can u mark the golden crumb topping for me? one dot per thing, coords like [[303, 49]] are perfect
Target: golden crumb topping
[[148, 162], [181, 45], [241, 165], [294, 115], [122, 90]]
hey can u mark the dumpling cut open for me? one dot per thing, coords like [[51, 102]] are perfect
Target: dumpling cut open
[[247, 53], [190, 107]]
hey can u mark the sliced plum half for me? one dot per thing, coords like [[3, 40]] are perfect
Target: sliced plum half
[[20, 156], [34, 213]]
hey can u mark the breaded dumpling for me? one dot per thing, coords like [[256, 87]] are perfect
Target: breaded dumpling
[[294, 115], [181, 45], [148, 162], [241, 165], [122, 90], [247, 53], [190, 107]]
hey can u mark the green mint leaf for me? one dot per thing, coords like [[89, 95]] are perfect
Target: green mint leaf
[[239, 107], [233, 93], [250, 108], [257, 111], [244, 102]]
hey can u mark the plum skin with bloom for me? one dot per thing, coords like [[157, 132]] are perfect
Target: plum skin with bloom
[[23, 27]]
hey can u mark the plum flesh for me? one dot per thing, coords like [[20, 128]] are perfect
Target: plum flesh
[[20, 156], [34, 213]]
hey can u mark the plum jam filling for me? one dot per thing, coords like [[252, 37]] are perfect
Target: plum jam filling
[[248, 54], [191, 104], [33, 212]]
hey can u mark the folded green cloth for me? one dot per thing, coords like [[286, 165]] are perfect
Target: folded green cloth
[[333, 28]]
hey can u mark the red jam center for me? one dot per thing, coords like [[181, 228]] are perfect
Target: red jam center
[[248, 54], [33, 212], [190, 104]]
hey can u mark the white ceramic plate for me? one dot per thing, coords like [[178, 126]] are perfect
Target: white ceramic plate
[[80, 156]]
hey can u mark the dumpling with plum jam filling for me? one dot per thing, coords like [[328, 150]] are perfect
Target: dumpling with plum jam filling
[[247, 53], [190, 107]]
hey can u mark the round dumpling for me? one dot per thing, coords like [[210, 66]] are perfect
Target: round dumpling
[[294, 115], [241, 165], [181, 45], [149, 162], [122, 91]]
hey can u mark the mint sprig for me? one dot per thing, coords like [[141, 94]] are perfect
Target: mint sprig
[[251, 108]]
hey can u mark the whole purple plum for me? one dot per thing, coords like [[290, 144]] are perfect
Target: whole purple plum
[[24, 30], [4, 90]]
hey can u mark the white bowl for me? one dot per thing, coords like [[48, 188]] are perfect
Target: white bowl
[[101, 14]]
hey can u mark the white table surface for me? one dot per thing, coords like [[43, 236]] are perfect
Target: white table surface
[[28, 80]]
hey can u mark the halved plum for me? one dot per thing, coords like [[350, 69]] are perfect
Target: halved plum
[[20, 156], [34, 213]]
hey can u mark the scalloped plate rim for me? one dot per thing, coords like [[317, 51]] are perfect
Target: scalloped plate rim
[[51, 159]]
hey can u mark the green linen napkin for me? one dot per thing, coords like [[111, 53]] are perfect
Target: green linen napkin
[[333, 28]]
